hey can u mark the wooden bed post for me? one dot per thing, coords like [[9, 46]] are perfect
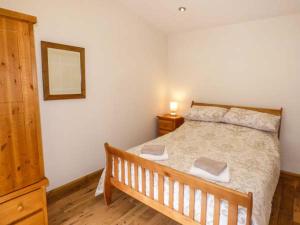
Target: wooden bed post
[[108, 172], [249, 209], [192, 104], [279, 129]]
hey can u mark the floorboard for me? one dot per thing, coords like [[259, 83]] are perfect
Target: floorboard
[[80, 207]]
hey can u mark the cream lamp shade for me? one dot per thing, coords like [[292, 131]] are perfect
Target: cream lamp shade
[[173, 108]]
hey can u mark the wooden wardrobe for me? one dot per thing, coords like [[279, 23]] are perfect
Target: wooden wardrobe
[[22, 179]]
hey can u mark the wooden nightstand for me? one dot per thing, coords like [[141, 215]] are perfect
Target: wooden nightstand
[[168, 123]]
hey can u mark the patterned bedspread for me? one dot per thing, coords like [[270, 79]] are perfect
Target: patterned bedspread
[[252, 156]]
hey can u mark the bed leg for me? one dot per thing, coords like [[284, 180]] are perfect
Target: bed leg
[[107, 185], [107, 193]]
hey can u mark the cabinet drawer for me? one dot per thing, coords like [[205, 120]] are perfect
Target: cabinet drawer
[[166, 125], [35, 219], [20, 207]]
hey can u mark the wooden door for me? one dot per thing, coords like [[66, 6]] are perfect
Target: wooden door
[[20, 139]]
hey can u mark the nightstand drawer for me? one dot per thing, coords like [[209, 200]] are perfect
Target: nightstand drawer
[[166, 125], [20, 207], [163, 132]]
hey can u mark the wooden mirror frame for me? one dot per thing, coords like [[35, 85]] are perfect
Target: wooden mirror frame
[[47, 95]]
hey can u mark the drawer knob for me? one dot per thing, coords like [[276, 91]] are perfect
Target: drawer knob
[[20, 207]]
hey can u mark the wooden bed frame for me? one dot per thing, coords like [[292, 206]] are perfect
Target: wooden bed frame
[[234, 198]]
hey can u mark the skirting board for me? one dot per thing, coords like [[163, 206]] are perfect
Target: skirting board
[[289, 175], [69, 188]]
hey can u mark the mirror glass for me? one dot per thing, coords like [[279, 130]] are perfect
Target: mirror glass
[[64, 72]]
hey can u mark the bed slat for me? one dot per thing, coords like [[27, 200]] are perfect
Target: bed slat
[[171, 193], [116, 168], [144, 181], [151, 184], [232, 214], [160, 188], [136, 177], [216, 211], [203, 207], [129, 174], [123, 171], [192, 203], [181, 198]]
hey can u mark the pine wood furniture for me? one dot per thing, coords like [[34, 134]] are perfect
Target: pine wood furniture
[[168, 123], [234, 198], [22, 179]]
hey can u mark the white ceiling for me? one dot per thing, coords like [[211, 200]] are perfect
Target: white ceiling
[[165, 16]]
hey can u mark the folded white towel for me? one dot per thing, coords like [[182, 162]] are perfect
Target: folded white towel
[[153, 149], [162, 157], [224, 176]]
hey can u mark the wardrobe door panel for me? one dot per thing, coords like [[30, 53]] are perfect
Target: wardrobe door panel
[[10, 80], [20, 142]]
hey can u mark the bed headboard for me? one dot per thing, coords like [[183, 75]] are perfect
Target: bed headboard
[[276, 112]]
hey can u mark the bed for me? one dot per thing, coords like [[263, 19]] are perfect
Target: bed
[[166, 186]]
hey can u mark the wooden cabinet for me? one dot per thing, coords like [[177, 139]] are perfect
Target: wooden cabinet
[[35, 219], [168, 123], [22, 206], [21, 160]]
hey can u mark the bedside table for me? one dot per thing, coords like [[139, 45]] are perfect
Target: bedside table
[[167, 123]]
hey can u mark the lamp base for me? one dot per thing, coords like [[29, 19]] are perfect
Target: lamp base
[[173, 113]]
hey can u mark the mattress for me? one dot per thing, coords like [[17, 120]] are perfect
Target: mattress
[[252, 156]]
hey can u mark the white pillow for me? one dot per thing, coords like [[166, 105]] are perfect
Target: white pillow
[[206, 113], [252, 119]]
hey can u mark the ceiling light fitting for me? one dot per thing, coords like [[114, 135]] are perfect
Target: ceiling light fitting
[[182, 9]]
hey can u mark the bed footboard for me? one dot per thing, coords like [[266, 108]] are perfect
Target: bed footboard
[[115, 177]]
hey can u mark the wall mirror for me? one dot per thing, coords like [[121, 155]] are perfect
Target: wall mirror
[[63, 71]]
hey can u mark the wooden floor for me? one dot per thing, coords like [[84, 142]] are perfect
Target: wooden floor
[[80, 207]]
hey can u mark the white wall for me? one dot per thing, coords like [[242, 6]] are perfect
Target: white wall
[[255, 63], [125, 78]]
